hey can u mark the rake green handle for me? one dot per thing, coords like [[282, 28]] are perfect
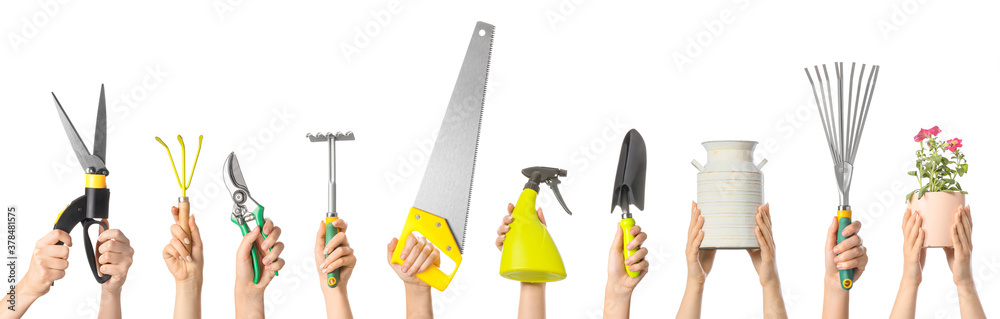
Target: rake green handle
[[626, 225], [333, 277], [846, 275]]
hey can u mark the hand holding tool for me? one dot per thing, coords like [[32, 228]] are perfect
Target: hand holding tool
[[92, 207], [529, 253], [442, 205], [630, 188], [843, 127], [232, 175], [183, 205], [333, 277]]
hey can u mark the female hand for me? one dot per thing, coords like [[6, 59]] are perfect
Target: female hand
[[505, 224], [341, 255], [960, 257], [48, 264], [849, 254], [418, 255], [268, 250], [699, 260], [914, 255], [184, 254], [619, 281], [114, 256], [763, 257]]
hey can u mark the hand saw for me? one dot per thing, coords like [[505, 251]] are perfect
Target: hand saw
[[442, 205]]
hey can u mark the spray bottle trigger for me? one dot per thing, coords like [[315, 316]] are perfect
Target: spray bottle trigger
[[554, 184]]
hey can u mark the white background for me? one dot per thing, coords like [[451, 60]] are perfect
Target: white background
[[568, 78]]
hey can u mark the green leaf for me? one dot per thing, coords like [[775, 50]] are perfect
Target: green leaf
[[959, 186], [910, 195], [912, 173]]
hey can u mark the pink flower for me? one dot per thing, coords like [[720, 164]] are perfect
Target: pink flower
[[953, 144], [934, 131], [923, 134]]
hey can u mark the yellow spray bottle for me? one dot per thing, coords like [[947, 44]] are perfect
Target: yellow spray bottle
[[529, 254]]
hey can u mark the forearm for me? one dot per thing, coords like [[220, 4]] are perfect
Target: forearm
[[418, 302], [337, 305], [836, 301], [532, 303], [968, 301], [187, 300], [617, 304], [249, 304], [111, 304], [905, 305], [21, 303], [691, 303], [774, 303]]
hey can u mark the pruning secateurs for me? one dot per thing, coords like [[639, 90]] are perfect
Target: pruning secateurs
[[237, 186], [92, 207]]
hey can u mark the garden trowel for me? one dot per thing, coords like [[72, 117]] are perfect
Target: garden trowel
[[630, 186]]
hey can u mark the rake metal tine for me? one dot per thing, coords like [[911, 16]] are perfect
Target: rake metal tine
[[830, 139], [819, 109], [854, 118], [840, 104], [873, 78], [832, 120]]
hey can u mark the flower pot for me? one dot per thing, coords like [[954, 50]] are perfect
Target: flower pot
[[730, 188], [937, 209]]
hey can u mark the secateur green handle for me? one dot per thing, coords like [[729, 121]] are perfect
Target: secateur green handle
[[258, 216], [253, 251], [846, 275]]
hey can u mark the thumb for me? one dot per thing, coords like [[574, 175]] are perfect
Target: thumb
[[831, 235], [100, 229], [391, 248], [246, 246], [617, 242]]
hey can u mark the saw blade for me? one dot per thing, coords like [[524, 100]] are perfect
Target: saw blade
[[447, 182]]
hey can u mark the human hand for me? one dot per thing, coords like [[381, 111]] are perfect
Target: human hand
[[619, 282], [960, 256], [418, 255], [341, 255], [505, 224], [114, 257], [268, 250], [699, 261], [914, 255], [849, 254], [763, 257], [184, 253], [48, 264]]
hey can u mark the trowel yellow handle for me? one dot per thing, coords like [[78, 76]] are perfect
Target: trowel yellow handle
[[627, 224], [436, 230]]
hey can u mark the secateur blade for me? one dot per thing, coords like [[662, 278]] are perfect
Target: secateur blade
[[630, 180]]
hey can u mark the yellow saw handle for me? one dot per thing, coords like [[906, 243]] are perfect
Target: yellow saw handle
[[436, 230]]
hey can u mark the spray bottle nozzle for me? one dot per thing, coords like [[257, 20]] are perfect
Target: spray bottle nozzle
[[549, 175]]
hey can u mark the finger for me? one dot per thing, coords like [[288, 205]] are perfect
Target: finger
[[510, 208], [268, 227], [407, 246], [275, 266], [423, 253], [831, 235], [320, 244], [273, 254], [699, 222], [636, 242], [963, 237], [338, 240], [390, 249], [694, 216], [340, 224], [500, 240], [115, 234], [968, 213], [637, 256], [850, 254], [179, 234], [169, 252], [848, 244], [182, 252], [920, 239], [413, 253], [432, 260], [852, 229], [55, 236], [54, 251], [113, 258], [967, 225], [908, 219], [176, 213], [195, 235], [272, 238], [639, 266], [101, 229], [850, 264], [53, 263], [114, 270], [908, 229], [504, 227], [246, 245], [348, 260], [114, 246], [541, 216], [336, 254], [698, 239], [618, 241], [635, 230]]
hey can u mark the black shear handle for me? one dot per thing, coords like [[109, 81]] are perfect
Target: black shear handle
[[76, 213]]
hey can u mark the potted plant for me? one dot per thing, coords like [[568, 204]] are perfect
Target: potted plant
[[939, 165]]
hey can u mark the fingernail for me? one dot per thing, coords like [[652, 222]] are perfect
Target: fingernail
[[836, 259], [507, 228], [402, 256], [836, 250], [841, 265], [186, 241], [188, 258], [405, 270]]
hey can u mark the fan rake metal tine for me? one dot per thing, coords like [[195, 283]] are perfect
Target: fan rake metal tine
[[819, 107], [872, 79]]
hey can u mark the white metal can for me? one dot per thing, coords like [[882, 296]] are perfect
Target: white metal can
[[730, 188]]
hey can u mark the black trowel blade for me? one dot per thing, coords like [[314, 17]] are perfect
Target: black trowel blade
[[630, 180]]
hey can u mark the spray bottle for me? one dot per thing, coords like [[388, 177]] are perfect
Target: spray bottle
[[529, 254]]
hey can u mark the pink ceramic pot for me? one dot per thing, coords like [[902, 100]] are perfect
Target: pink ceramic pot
[[938, 212]]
